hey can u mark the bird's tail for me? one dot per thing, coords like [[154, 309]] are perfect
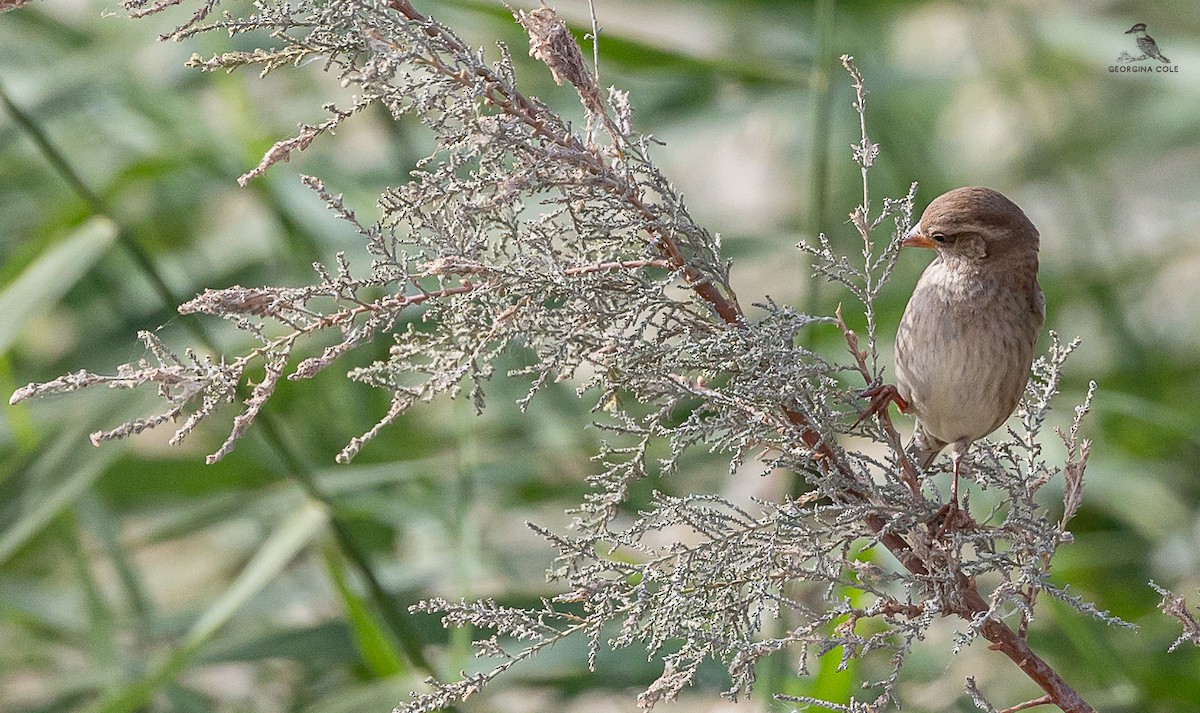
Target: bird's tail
[[923, 448]]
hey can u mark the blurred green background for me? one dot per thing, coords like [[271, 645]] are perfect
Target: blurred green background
[[134, 577]]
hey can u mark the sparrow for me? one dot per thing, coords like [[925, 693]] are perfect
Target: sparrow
[[1146, 43], [965, 344]]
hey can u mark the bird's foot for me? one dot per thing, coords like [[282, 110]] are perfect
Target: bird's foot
[[951, 518], [880, 396]]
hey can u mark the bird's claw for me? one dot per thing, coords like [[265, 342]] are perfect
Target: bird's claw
[[880, 395], [951, 518]]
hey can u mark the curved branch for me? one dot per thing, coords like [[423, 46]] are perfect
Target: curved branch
[[511, 101]]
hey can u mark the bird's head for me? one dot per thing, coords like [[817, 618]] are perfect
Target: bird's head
[[1140, 27], [975, 225]]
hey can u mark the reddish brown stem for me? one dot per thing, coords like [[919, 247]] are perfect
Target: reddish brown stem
[[512, 101], [907, 470], [1006, 641]]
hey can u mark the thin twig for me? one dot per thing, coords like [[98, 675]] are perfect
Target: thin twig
[[1041, 701], [595, 42], [908, 471]]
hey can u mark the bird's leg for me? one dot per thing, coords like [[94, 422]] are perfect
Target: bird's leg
[[950, 514], [880, 395], [956, 459]]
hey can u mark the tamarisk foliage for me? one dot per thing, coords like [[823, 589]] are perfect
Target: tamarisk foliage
[[520, 233], [1176, 606]]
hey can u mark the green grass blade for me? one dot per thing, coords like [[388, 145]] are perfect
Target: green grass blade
[[82, 473], [288, 539], [370, 638], [292, 535], [49, 277]]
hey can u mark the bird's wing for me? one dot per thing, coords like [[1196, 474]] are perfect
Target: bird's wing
[[923, 447], [1150, 47]]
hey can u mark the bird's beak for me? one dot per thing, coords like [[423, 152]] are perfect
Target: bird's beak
[[914, 238], [1129, 31]]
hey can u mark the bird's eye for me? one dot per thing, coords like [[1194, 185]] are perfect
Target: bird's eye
[[939, 237]]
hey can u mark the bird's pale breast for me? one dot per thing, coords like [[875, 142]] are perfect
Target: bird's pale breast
[[963, 352]]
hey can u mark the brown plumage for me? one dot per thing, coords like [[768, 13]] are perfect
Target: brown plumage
[[965, 343]]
